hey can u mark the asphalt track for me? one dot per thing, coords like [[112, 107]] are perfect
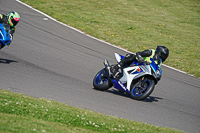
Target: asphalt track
[[47, 59]]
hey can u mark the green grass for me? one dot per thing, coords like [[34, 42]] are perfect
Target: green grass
[[20, 113], [136, 25]]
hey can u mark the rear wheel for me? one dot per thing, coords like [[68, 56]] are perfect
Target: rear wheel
[[142, 88], [101, 80]]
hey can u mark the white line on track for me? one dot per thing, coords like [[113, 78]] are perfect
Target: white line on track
[[89, 35]]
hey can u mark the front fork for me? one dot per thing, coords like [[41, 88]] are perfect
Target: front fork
[[107, 66], [143, 81], [141, 84]]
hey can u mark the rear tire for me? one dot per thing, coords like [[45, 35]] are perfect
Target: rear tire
[[101, 80], [140, 93]]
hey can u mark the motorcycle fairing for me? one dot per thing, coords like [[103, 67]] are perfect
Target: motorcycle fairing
[[157, 71], [128, 77], [119, 85], [135, 74], [118, 57], [135, 71]]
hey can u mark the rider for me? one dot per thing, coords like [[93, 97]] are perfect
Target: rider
[[12, 19], [159, 55]]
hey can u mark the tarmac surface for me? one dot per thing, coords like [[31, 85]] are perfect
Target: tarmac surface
[[50, 60]]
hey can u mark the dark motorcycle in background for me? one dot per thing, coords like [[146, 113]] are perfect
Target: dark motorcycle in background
[[4, 35]]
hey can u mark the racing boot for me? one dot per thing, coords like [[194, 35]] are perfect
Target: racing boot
[[114, 71]]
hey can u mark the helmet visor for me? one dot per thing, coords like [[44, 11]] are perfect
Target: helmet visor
[[14, 22]]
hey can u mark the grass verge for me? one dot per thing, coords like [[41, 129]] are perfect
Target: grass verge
[[136, 25], [21, 113]]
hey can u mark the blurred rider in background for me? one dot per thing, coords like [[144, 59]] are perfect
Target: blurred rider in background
[[11, 19]]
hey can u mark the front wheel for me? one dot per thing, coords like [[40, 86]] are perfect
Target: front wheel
[[101, 80], [142, 88]]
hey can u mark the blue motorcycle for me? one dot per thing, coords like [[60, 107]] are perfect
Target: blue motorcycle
[[138, 79], [4, 35]]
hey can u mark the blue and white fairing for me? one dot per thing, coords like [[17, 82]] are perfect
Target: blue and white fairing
[[135, 71]]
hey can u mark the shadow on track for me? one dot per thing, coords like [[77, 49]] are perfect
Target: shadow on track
[[152, 99], [124, 94], [6, 61]]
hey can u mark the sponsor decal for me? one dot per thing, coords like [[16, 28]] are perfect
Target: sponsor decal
[[122, 85], [139, 70]]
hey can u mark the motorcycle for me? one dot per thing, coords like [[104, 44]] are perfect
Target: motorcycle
[[137, 79], [4, 35]]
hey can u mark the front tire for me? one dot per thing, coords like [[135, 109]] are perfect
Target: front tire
[[101, 80], [140, 93]]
